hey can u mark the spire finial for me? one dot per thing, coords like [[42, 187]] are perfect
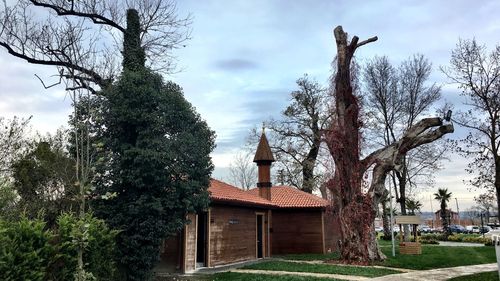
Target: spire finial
[[263, 127]]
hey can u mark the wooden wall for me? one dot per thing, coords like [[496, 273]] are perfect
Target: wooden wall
[[171, 255], [233, 234], [332, 231], [190, 244], [297, 231]]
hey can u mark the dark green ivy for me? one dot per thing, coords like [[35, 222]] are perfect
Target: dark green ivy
[[155, 150]]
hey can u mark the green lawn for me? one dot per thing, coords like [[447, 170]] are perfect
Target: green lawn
[[485, 276], [434, 256], [233, 276], [321, 268], [310, 257]]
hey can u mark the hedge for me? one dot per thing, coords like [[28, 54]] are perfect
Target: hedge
[[30, 251]]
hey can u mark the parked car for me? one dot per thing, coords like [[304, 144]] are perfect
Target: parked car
[[484, 229], [472, 229], [455, 228], [379, 229], [492, 232], [424, 229]]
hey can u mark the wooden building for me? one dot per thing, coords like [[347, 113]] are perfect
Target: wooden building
[[247, 225], [449, 214]]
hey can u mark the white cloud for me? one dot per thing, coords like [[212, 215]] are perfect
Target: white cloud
[[264, 46]]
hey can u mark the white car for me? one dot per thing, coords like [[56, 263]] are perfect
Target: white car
[[490, 233], [472, 229]]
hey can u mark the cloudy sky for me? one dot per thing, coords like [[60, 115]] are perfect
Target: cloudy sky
[[245, 56]]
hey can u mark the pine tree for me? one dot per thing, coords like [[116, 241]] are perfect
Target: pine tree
[[155, 150]]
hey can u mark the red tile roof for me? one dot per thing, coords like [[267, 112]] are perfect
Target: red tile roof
[[291, 197], [223, 192], [281, 196]]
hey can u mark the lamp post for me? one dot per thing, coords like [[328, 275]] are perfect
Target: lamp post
[[482, 225], [458, 211], [432, 211], [392, 227]]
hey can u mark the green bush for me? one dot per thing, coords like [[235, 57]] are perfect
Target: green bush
[[29, 251], [430, 241], [25, 251], [98, 242], [433, 236]]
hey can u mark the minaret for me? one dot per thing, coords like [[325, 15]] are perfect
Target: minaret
[[264, 158]]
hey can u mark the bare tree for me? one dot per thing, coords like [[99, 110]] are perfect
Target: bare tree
[[396, 97], [485, 203], [296, 137], [82, 39], [477, 74], [243, 172], [354, 208], [472, 214]]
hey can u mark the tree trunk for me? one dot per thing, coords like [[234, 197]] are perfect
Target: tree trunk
[[324, 191], [308, 180], [385, 220], [497, 185], [355, 209], [402, 196]]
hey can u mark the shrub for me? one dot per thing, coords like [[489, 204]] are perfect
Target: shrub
[[433, 236], [24, 249], [430, 241], [99, 254], [29, 251]]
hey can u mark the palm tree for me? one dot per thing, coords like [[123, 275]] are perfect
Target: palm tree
[[443, 196], [413, 205]]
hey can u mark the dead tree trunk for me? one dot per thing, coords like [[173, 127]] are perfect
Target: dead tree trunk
[[355, 209]]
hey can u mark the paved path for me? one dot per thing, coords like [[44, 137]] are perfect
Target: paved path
[[459, 244], [306, 274], [340, 264], [441, 274]]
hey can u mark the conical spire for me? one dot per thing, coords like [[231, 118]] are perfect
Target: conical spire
[[263, 152], [134, 57]]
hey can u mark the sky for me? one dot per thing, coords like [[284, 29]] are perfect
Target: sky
[[245, 56]]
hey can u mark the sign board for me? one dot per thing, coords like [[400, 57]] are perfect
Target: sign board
[[408, 220], [496, 242]]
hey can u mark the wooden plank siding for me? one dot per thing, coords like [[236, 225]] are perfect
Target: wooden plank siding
[[332, 232], [171, 255], [232, 234], [190, 244], [297, 231]]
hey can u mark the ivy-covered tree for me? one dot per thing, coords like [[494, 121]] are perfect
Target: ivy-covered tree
[[353, 206], [157, 162]]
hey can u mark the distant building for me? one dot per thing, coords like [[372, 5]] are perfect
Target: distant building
[[452, 217]]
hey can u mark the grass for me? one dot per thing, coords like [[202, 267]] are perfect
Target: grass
[[433, 256], [311, 257], [234, 276], [439, 257], [484, 276], [321, 268]]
